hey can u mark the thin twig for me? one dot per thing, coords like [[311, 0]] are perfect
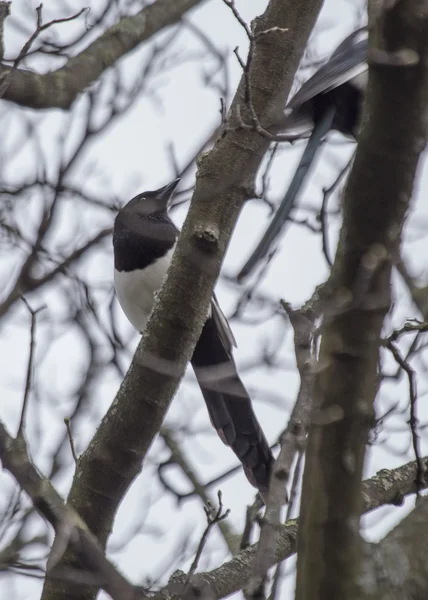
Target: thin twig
[[28, 380], [39, 28], [327, 193], [252, 515], [409, 327], [212, 519], [231, 5], [277, 578], [70, 439], [246, 68], [413, 421], [222, 111], [179, 459]]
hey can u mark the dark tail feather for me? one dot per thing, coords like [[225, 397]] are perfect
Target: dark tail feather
[[229, 406], [321, 129]]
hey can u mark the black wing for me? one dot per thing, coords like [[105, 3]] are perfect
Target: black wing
[[347, 62], [326, 101]]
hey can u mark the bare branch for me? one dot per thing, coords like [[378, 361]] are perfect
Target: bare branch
[[377, 197], [213, 517], [25, 283], [4, 13], [177, 457], [39, 28], [28, 380], [387, 487], [410, 327], [404, 364], [61, 87], [327, 193], [292, 441], [69, 527], [70, 438]]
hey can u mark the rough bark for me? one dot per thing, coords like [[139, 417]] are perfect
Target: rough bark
[[114, 457], [396, 568], [378, 194], [387, 487]]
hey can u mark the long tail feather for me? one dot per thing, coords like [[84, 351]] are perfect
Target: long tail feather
[[281, 216], [230, 407]]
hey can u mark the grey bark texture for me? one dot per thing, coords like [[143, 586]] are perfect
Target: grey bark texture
[[375, 204], [224, 181], [386, 487], [333, 560]]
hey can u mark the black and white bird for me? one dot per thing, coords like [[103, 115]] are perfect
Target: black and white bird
[[144, 239], [331, 99]]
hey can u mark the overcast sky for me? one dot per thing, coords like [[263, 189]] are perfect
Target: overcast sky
[[133, 155]]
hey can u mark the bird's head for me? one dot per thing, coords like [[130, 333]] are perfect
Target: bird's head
[[152, 204]]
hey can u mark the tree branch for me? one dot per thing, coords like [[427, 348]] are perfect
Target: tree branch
[[69, 527], [396, 568], [114, 457], [4, 13], [387, 487], [377, 198], [177, 457], [60, 88], [293, 439], [25, 283]]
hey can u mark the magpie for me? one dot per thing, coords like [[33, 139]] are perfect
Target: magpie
[[144, 239], [331, 99]]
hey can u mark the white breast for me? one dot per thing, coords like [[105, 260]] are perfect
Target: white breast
[[135, 290]]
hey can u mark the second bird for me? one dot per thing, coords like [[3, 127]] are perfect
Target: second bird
[[331, 99]]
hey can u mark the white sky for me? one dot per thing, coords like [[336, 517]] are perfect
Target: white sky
[[132, 156]]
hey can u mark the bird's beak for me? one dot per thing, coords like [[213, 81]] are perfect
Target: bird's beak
[[166, 193]]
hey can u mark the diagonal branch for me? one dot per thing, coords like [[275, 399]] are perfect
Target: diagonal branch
[[69, 527], [114, 457], [387, 487], [61, 87], [177, 457], [25, 283], [29, 377], [293, 439]]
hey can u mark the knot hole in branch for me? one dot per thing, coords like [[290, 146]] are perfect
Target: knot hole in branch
[[207, 239]]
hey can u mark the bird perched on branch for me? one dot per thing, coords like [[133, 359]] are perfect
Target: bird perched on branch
[[331, 99], [144, 239]]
